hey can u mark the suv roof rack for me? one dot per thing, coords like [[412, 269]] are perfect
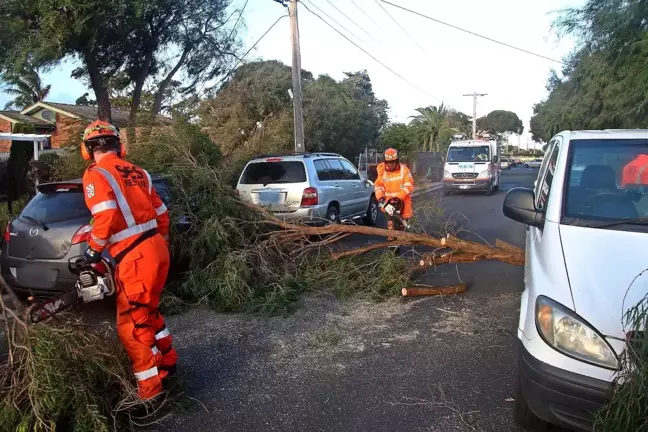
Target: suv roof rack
[[304, 154]]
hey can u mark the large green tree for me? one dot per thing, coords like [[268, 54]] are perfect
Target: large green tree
[[148, 40], [604, 83], [400, 137], [500, 122], [252, 112], [25, 86], [428, 124]]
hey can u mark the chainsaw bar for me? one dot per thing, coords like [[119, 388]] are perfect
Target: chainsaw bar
[[46, 309]]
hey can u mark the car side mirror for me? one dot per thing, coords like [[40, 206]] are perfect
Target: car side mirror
[[519, 205], [494, 159]]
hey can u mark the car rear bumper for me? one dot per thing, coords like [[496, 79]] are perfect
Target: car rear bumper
[[308, 215], [459, 185], [560, 397], [41, 278]]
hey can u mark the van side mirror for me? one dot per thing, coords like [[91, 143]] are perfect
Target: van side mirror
[[519, 205], [495, 159]]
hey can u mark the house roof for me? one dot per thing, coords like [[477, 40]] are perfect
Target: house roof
[[16, 117], [119, 116]]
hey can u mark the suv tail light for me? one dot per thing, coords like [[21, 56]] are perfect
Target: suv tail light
[[309, 197], [82, 234], [7, 233]]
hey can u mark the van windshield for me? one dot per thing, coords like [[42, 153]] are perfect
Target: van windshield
[[469, 154], [607, 183]]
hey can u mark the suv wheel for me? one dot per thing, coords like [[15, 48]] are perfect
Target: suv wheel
[[371, 217], [523, 414], [332, 214]]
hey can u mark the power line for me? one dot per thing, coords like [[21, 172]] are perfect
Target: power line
[[236, 65], [239, 18], [471, 32], [401, 27], [397, 54], [368, 16], [338, 24], [367, 53]]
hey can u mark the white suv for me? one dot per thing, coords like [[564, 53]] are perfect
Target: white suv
[[313, 188], [586, 248]]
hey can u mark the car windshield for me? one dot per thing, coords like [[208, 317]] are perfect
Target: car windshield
[[52, 207], [468, 154], [607, 183], [274, 172]]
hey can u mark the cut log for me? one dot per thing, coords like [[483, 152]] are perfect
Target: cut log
[[431, 291], [292, 232]]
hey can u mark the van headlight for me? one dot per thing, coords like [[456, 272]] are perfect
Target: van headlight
[[484, 174], [571, 335], [446, 174]]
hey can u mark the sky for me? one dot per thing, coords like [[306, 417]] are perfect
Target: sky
[[436, 63]]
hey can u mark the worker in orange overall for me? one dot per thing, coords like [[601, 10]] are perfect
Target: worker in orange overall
[[635, 172], [132, 222], [393, 187]]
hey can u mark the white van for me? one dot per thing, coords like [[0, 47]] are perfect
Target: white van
[[472, 165], [586, 244]]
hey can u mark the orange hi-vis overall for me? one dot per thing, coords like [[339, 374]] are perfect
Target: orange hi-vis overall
[[636, 172], [396, 184], [131, 221]]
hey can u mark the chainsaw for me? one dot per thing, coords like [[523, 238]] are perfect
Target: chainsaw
[[393, 208], [90, 287]]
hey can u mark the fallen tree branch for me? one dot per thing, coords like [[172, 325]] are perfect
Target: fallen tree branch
[[508, 254], [431, 291]]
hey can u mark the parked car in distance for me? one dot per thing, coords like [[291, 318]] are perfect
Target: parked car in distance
[[535, 163], [504, 163], [313, 188], [52, 228], [587, 235]]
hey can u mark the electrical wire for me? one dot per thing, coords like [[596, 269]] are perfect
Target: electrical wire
[[236, 65], [368, 16], [401, 27], [359, 39], [238, 19], [380, 44], [367, 53], [349, 19], [471, 32]]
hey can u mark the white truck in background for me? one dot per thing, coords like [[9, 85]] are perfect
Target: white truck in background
[[472, 165]]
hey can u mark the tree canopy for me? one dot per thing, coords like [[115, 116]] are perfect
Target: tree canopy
[[604, 82], [252, 112], [151, 42], [500, 122], [26, 87]]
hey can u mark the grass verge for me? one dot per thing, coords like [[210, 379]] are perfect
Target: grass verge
[[627, 410]]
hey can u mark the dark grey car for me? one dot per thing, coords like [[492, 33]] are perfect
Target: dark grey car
[[50, 230]]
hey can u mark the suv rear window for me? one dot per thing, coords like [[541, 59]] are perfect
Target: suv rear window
[[57, 206], [274, 172]]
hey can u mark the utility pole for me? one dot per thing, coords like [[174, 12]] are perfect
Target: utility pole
[[474, 96], [296, 78]]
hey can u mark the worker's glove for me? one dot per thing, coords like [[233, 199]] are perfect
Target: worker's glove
[[92, 256], [389, 209]]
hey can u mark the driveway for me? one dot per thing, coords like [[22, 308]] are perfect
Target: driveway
[[431, 364]]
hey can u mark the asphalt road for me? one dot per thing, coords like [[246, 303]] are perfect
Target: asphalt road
[[431, 364]]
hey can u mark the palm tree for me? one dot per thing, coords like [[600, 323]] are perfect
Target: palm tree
[[26, 87], [428, 124]]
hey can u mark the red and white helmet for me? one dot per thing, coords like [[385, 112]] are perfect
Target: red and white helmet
[[391, 155]]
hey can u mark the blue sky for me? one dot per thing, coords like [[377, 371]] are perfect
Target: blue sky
[[442, 65]]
